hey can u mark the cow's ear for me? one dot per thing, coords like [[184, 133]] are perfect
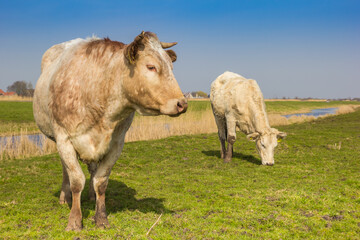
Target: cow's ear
[[172, 55], [253, 136], [280, 136], [132, 49]]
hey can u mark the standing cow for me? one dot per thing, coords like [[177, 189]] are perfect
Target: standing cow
[[238, 102], [85, 101]]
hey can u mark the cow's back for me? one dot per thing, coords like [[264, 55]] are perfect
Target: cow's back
[[238, 98], [231, 92], [224, 92]]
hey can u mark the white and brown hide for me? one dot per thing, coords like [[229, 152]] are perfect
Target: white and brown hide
[[85, 100]]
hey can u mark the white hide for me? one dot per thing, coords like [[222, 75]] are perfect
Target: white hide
[[238, 102]]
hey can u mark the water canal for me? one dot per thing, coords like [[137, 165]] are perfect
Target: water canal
[[315, 112]]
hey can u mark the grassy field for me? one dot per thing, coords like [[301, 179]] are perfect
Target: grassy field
[[312, 191], [16, 117]]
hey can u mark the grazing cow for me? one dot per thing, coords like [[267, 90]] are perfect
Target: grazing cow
[[85, 100], [238, 102]]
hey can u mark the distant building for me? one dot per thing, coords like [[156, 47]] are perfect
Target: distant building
[[192, 95], [188, 95], [2, 93]]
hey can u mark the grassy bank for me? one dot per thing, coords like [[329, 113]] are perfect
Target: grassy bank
[[290, 107], [312, 192]]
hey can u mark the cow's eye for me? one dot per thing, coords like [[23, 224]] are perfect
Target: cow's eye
[[151, 68]]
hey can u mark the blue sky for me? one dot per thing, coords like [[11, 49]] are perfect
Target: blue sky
[[294, 48]]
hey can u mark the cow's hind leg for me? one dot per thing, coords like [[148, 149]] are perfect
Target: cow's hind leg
[[76, 179], [221, 125], [231, 138], [65, 194], [92, 170]]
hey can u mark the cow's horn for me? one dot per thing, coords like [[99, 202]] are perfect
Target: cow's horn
[[167, 45]]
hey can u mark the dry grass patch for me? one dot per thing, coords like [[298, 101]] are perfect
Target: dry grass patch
[[148, 128], [279, 120], [346, 109], [11, 128], [20, 146], [16, 98]]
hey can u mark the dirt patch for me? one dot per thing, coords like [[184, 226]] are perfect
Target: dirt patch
[[333, 218], [307, 214]]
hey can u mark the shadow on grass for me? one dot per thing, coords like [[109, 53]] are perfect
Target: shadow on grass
[[249, 158], [120, 197]]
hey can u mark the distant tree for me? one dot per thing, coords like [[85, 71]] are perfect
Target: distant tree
[[29, 85], [21, 88], [202, 94]]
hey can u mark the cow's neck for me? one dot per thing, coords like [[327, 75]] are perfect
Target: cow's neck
[[259, 121], [118, 107]]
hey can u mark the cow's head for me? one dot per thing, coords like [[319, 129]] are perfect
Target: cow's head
[[151, 86], [266, 143]]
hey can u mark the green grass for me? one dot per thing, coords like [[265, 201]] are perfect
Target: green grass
[[16, 112], [312, 191], [199, 106], [16, 116]]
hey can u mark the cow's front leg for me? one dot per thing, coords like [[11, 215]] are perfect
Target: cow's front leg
[[231, 138], [92, 170], [76, 179], [100, 182]]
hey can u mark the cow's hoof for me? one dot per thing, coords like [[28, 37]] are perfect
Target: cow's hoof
[[227, 160], [74, 226], [102, 223], [65, 199]]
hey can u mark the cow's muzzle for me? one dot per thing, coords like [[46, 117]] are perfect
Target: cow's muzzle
[[182, 105], [174, 107]]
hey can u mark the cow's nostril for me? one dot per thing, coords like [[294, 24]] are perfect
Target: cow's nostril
[[269, 164], [180, 107]]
